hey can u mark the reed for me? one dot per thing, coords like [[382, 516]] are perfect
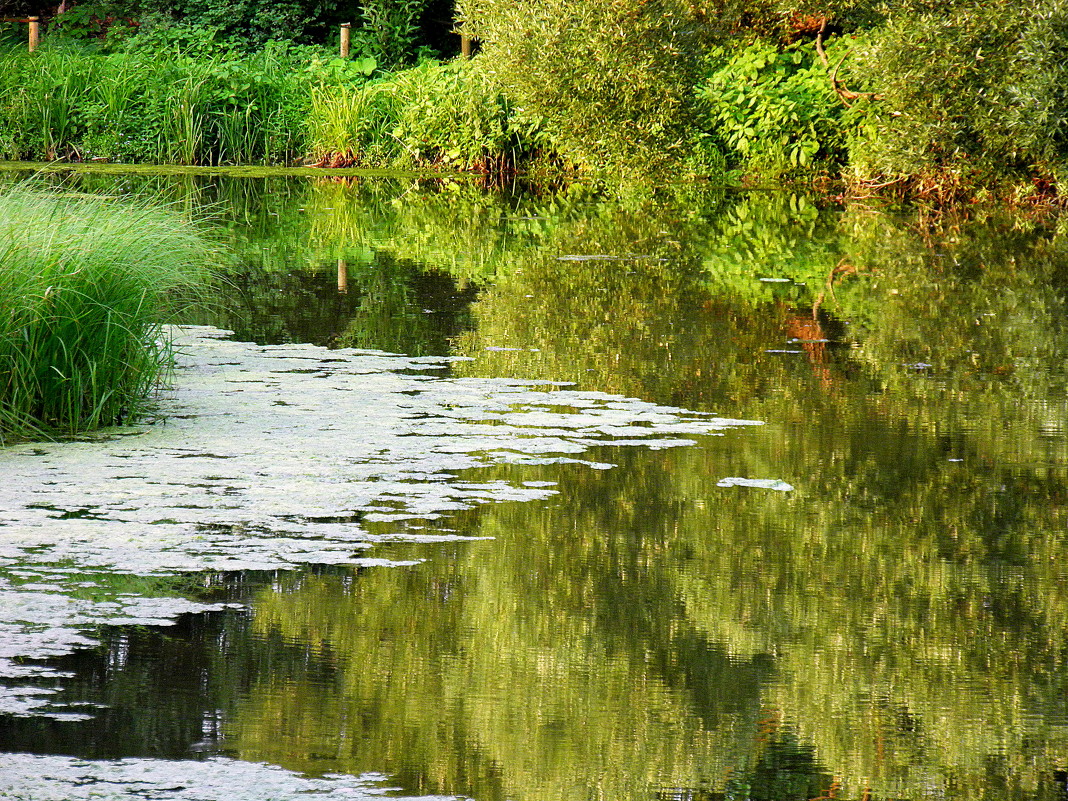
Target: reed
[[65, 102], [275, 106], [86, 287]]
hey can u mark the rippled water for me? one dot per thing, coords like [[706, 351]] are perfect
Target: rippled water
[[733, 497]]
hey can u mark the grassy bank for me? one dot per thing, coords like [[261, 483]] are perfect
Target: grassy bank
[[138, 106], [755, 110], [282, 105], [86, 285]]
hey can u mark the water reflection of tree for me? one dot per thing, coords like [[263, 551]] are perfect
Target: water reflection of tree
[[511, 673], [903, 613], [284, 285]]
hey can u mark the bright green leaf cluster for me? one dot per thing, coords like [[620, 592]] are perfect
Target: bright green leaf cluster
[[774, 111]]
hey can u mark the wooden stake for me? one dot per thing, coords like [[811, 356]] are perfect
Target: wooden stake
[[35, 32], [346, 38]]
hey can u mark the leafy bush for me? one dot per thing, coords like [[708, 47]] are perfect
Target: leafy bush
[[94, 21], [390, 29], [611, 80], [773, 111], [970, 87], [449, 114], [249, 24]]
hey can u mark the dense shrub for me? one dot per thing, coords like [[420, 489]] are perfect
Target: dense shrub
[[973, 88], [773, 111], [392, 31], [251, 23], [449, 114], [611, 80]]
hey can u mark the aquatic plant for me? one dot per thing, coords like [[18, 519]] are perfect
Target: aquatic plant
[[86, 284], [140, 105]]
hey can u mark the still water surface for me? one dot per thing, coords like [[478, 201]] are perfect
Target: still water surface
[[864, 597]]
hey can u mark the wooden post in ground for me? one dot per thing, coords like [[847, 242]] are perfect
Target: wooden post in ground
[[35, 32], [466, 42], [346, 38]]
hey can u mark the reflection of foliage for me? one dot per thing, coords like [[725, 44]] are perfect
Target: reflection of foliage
[[976, 316], [117, 681], [898, 620], [624, 634], [450, 226], [405, 309], [608, 297], [553, 705], [293, 250], [778, 235], [914, 606]]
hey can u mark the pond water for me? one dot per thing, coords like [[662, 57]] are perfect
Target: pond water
[[505, 496]]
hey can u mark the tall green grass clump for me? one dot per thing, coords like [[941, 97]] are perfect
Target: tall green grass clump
[[164, 105], [86, 286]]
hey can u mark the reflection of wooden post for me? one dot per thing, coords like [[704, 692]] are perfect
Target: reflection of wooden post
[[346, 38], [35, 32], [342, 276]]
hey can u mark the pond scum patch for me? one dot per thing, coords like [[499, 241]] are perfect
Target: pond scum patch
[[86, 285], [275, 458]]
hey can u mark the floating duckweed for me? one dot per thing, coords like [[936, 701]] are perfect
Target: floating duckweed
[[234, 480]]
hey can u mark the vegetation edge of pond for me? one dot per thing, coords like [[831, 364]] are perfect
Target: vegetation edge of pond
[[87, 284], [228, 171]]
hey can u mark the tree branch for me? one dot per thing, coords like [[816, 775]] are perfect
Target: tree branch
[[845, 95]]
